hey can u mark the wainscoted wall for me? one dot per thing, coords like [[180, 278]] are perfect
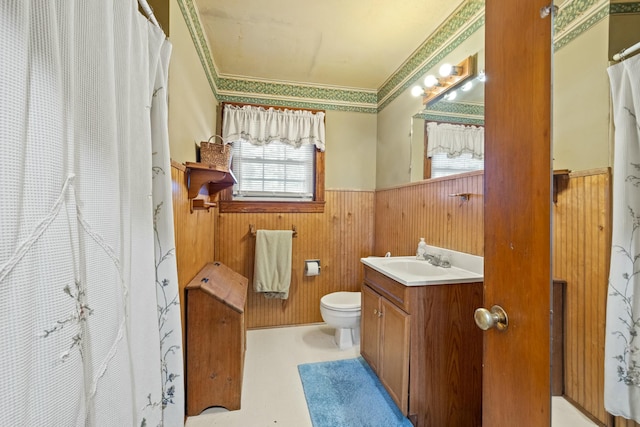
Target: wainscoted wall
[[195, 232], [429, 209], [339, 237], [622, 422], [581, 250], [397, 217]]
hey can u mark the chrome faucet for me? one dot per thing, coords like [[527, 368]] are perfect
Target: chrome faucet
[[438, 260]]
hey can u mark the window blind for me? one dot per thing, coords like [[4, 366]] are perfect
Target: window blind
[[441, 165], [275, 171]]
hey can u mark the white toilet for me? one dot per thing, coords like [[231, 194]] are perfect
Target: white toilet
[[341, 310]]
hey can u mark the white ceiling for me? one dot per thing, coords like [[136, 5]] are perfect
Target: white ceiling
[[339, 43]]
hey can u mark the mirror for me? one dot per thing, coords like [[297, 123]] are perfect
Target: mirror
[[467, 108]]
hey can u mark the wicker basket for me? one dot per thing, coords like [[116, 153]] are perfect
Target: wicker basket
[[216, 154]]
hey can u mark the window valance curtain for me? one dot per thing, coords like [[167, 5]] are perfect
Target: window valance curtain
[[454, 140], [261, 126]]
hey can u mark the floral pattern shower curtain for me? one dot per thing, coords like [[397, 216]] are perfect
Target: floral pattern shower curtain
[[622, 348], [89, 302]]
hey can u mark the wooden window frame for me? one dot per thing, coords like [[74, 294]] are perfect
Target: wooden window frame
[[228, 205]]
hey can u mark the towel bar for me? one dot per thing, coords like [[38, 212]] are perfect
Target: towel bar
[[253, 231], [463, 196]]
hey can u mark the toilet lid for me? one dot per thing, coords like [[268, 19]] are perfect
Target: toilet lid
[[342, 300]]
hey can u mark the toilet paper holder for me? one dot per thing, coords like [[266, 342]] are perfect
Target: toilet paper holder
[[309, 269]]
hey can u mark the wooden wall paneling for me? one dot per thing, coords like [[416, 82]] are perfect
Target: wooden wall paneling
[[339, 237], [424, 209], [579, 288], [356, 209], [194, 233], [414, 223], [331, 246], [581, 256], [601, 196], [622, 422], [397, 217], [582, 242], [451, 236], [602, 199], [440, 209], [477, 213], [572, 374], [591, 291], [458, 211]]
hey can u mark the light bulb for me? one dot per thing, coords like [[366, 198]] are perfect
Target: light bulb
[[452, 95], [467, 86], [417, 91], [445, 70], [431, 81]]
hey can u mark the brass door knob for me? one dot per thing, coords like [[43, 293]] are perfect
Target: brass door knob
[[496, 318]]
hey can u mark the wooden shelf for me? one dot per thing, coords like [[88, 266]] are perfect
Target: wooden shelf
[[559, 182], [199, 174]]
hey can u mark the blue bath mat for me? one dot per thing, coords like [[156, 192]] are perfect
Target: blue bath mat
[[346, 393]]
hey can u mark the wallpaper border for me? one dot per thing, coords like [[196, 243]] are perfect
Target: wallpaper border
[[573, 18]]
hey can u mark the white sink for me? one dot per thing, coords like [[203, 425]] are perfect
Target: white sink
[[412, 266], [409, 271]]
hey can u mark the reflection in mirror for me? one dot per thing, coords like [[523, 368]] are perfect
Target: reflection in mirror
[[454, 127], [452, 149], [450, 80]]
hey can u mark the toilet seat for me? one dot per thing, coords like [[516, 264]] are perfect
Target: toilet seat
[[341, 301]]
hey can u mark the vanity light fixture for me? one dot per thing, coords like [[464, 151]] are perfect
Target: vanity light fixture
[[447, 70], [417, 91], [451, 77], [431, 81], [451, 95]]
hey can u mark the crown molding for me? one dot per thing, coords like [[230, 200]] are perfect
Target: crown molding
[[573, 18]]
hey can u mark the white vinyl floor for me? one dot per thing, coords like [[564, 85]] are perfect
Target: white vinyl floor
[[272, 393]]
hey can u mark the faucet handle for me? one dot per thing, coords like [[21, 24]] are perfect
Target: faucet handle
[[444, 261]]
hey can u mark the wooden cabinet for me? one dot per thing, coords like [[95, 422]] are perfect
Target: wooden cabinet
[[370, 327], [215, 338], [386, 346], [394, 352], [423, 344]]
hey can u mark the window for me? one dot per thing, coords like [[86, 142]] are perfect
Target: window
[[441, 165], [274, 172], [278, 159], [452, 149]]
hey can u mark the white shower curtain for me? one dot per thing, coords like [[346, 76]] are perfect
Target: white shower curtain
[[89, 302], [622, 348]]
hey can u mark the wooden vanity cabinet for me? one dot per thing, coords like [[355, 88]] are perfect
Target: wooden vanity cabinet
[[423, 344], [386, 346], [370, 327]]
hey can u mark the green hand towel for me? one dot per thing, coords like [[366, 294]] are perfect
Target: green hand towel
[[272, 268]]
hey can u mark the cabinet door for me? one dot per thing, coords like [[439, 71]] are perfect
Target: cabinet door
[[394, 353], [370, 327]]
